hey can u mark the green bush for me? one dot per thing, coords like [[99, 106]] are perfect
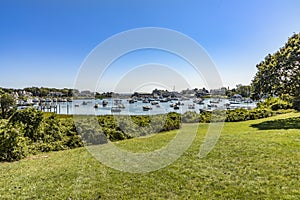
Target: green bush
[[13, 145], [190, 117], [276, 103], [31, 119]]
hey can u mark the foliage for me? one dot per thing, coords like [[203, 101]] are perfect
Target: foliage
[[275, 104], [42, 132], [28, 132], [244, 90], [124, 127], [7, 105], [43, 91], [190, 117], [279, 73], [31, 119], [13, 146], [243, 114]]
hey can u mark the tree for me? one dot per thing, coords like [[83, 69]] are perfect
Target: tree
[[7, 105], [244, 90], [279, 74]]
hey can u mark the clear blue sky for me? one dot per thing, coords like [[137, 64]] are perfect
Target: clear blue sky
[[43, 43]]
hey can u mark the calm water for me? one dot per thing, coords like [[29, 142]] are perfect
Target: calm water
[[78, 107]]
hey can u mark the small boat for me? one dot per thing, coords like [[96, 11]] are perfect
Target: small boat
[[247, 101], [63, 100], [48, 100], [70, 100], [35, 100], [96, 105], [76, 105], [214, 101], [84, 103], [198, 101], [121, 106], [235, 102], [164, 100], [154, 103], [212, 106], [146, 101], [176, 107], [104, 103], [191, 106], [115, 109], [117, 101], [146, 108], [131, 101]]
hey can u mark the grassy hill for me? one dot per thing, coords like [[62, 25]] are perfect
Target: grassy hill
[[258, 159]]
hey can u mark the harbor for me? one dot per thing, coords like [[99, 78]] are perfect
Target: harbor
[[141, 106]]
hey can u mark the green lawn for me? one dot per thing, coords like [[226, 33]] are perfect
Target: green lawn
[[257, 159]]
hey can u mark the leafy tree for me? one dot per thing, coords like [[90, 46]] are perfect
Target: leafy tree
[[279, 74], [7, 105], [244, 90]]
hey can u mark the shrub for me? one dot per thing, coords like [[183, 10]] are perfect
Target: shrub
[[276, 103], [13, 145], [31, 119], [190, 117]]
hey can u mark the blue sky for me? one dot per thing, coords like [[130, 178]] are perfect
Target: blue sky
[[43, 43]]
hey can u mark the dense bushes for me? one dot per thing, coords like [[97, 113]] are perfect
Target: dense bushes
[[243, 114], [28, 132], [13, 146], [230, 115], [124, 127], [275, 104]]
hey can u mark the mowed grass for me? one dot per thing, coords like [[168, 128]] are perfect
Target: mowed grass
[[257, 159]]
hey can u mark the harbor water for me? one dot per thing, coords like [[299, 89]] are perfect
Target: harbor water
[[125, 107]]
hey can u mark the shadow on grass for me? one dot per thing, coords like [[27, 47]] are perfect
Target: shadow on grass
[[289, 123]]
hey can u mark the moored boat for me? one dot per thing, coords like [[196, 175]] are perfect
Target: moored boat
[[104, 103], [146, 108], [191, 106], [115, 109]]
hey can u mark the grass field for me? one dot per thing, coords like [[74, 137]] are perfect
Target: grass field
[[257, 159]]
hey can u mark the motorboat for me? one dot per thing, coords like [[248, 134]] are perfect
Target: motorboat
[[115, 109], [104, 103], [146, 108], [191, 106]]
